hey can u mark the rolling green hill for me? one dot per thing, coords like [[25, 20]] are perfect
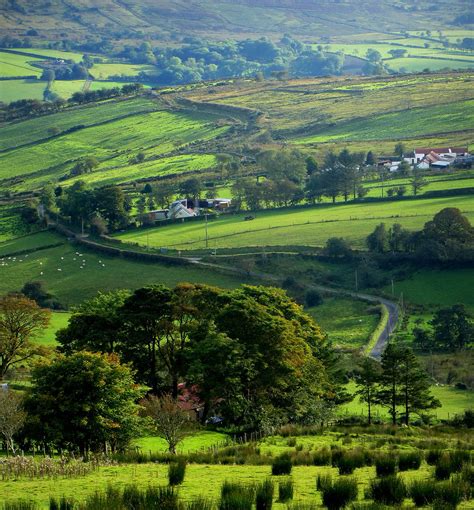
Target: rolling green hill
[[222, 18]]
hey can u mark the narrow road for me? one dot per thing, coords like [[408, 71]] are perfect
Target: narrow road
[[392, 307]]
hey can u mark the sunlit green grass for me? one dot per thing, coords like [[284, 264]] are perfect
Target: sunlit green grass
[[57, 321], [198, 441], [306, 226], [72, 285], [17, 65]]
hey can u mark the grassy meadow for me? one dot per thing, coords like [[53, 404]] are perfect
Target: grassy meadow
[[126, 128], [72, 278], [310, 226]]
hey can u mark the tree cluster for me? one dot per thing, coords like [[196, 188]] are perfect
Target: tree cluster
[[251, 354], [398, 383], [452, 330], [104, 206], [201, 60], [447, 237]]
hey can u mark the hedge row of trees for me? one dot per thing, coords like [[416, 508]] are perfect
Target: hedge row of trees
[[448, 236]]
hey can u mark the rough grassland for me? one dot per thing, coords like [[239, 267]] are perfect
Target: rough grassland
[[72, 285], [305, 226], [411, 123], [113, 143]]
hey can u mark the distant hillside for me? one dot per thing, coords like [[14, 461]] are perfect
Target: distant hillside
[[311, 19]]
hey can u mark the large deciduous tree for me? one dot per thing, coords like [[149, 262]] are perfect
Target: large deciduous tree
[[83, 402], [20, 320]]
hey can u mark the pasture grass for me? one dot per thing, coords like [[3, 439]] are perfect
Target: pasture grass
[[17, 65], [310, 226], [438, 287], [72, 285], [199, 441], [47, 337], [453, 401], [113, 143], [346, 321], [106, 70]]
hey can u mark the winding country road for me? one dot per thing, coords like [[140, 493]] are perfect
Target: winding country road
[[392, 307]]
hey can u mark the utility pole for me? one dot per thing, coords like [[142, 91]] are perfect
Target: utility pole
[[207, 235], [82, 227], [147, 241], [393, 288], [356, 280]]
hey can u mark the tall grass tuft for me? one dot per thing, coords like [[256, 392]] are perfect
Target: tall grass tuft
[[20, 505], [285, 490], [385, 464], [264, 495], [176, 472], [433, 456], [200, 504], [61, 504], [339, 494], [423, 492], [323, 481], [390, 490], [409, 460], [349, 460], [282, 465], [322, 457], [236, 496]]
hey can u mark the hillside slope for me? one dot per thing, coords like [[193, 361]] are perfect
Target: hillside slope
[[223, 18]]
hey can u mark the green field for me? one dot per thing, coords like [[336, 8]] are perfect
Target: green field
[[346, 321], [17, 65], [310, 226], [47, 337], [438, 288], [66, 55], [105, 71], [199, 441], [114, 138], [74, 284], [453, 401]]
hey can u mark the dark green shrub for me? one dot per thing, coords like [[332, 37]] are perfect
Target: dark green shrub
[[458, 458], [433, 456], [322, 457], [409, 460], [264, 497], [423, 492], [285, 490], [390, 490], [291, 441], [176, 472], [385, 465], [340, 494], [282, 465]]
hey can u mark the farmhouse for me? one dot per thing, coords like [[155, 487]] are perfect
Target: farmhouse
[[443, 153]]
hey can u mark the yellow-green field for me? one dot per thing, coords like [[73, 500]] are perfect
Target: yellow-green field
[[310, 226]]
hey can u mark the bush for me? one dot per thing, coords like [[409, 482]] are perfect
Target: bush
[[264, 497], [132, 497], [423, 492], [385, 465], [291, 441], [236, 496], [340, 494], [390, 490], [451, 462], [176, 472], [285, 490], [409, 460], [282, 465]]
